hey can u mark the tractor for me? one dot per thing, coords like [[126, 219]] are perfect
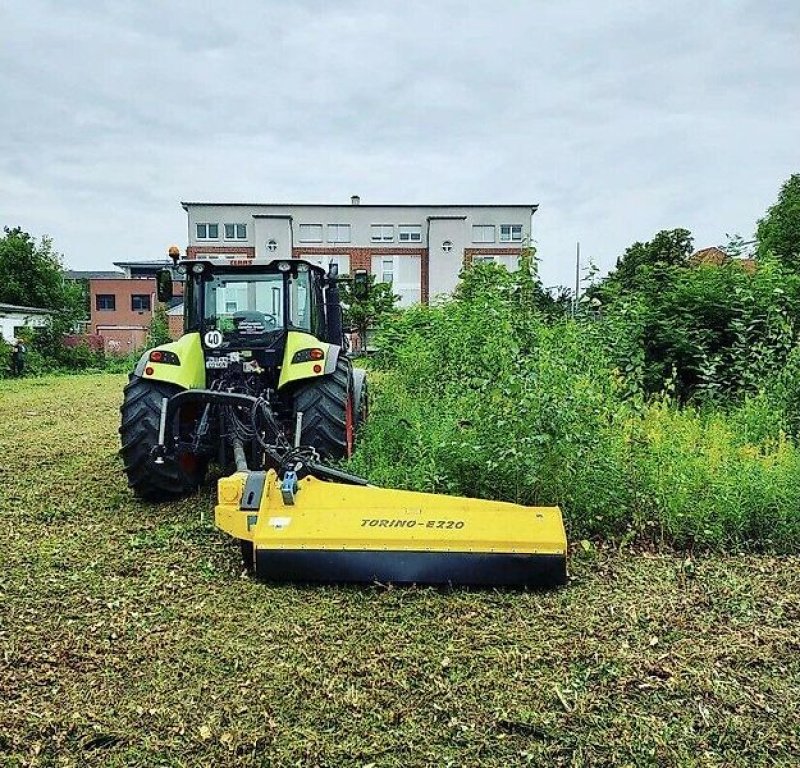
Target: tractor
[[261, 373]]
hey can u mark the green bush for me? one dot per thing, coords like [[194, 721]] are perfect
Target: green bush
[[5, 358], [711, 331], [487, 396]]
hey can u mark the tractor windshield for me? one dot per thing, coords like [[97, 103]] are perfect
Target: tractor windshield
[[248, 305]]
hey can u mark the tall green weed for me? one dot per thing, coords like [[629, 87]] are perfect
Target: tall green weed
[[483, 395]]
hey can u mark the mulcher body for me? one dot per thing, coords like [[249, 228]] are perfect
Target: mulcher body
[[312, 530]]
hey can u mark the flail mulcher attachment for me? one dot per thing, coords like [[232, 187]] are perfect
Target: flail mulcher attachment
[[312, 529]]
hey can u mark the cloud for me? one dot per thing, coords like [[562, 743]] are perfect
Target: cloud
[[617, 118]]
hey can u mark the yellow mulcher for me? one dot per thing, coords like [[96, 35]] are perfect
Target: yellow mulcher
[[260, 380]]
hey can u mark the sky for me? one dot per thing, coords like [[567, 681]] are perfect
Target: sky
[[618, 118]]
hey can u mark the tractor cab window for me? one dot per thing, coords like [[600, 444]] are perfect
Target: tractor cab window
[[252, 304], [299, 302]]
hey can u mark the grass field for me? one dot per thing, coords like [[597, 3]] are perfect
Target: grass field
[[128, 636]]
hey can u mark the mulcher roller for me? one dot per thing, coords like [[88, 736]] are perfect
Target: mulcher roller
[[311, 530]]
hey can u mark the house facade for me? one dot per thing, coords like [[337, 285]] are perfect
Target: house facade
[[419, 249], [15, 319], [121, 311], [122, 305]]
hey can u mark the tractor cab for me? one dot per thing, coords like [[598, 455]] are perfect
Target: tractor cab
[[234, 306]]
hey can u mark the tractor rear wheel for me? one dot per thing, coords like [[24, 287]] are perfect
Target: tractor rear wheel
[[141, 416], [328, 412]]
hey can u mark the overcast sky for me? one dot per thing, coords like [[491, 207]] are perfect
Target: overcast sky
[[618, 118]]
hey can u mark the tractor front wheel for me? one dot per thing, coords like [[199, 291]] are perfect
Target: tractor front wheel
[[328, 412], [141, 416]]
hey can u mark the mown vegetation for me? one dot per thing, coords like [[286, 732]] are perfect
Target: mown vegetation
[[129, 637]]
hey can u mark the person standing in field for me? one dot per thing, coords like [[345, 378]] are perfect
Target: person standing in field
[[18, 357]]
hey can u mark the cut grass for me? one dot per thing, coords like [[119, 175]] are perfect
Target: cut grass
[[128, 636]]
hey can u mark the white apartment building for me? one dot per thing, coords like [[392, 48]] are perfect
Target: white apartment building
[[419, 249]]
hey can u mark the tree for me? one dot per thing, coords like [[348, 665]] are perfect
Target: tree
[[364, 313], [31, 275], [669, 248], [159, 328], [779, 231]]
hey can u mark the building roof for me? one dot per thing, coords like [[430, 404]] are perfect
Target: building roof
[[154, 263], [533, 206], [713, 255], [80, 274], [15, 308], [136, 278], [716, 256]]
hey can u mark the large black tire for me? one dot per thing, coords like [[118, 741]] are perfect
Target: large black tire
[[327, 406], [141, 415]]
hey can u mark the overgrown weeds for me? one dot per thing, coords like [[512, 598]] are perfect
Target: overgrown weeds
[[130, 638], [483, 395]]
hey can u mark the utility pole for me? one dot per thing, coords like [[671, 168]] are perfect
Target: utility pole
[[577, 278]]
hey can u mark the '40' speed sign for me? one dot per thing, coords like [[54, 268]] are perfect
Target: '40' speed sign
[[213, 339]]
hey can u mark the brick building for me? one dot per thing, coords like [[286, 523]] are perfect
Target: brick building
[[122, 306], [121, 311], [420, 249]]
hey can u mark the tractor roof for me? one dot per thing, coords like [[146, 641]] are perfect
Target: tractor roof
[[244, 261]]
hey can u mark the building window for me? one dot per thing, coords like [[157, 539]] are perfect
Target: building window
[[403, 272], [207, 231], [410, 233], [382, 233], [387, 270], [105, 302], [236, 231], [272, 245], [140, 302], [338, 233], [342, 260], [509, 261], [511, 233], [483, 233], [310, 233], [447, 246]]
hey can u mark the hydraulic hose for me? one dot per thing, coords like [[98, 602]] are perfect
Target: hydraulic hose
[[239, 457]]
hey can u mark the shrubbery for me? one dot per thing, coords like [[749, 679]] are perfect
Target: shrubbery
[[486, 395]]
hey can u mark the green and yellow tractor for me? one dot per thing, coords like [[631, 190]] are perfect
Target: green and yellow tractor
[[261, 370]]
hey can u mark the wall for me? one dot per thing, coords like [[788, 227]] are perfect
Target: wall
[[9, 321], [438, 269], [175, 322], [123, 328], [445, 266], [360, 218]]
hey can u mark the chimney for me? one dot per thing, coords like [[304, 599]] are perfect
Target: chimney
[[355, 200]]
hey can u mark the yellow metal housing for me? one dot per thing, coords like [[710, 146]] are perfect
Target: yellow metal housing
[[337, 532], [190, 373], [297, 341]]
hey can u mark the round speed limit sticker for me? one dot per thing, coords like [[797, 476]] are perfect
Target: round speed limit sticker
[[213, 339]]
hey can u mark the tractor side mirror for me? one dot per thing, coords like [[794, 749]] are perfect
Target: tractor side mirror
[[360, 284], [164, 285]]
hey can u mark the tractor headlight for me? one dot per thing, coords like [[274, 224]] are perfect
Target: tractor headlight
[[284, 266]]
